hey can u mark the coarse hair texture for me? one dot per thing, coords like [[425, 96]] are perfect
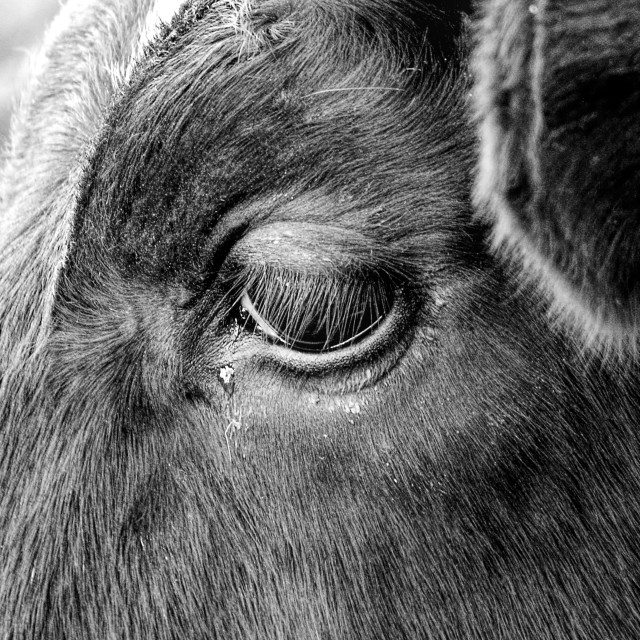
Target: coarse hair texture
[[413, 450]]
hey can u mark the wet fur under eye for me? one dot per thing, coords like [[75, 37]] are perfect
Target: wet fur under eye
[[314, 312]]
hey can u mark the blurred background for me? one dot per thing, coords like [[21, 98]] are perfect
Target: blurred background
[[22, 26]]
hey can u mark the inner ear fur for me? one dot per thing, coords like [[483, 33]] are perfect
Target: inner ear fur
[[558, 109]]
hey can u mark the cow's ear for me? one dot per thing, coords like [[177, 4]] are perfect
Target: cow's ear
[[558, 102]]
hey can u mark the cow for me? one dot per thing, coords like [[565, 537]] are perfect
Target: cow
[[290, 344]]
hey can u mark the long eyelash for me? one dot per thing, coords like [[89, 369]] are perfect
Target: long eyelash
[[331, 307]]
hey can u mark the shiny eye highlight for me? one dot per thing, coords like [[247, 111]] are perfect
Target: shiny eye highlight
[[314, 313]]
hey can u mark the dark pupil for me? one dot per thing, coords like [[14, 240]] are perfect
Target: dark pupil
[[321, 317]]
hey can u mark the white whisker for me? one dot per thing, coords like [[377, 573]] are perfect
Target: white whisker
[[315, 93]]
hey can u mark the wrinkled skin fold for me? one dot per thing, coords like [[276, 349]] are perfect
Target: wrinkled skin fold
[[466, 468]]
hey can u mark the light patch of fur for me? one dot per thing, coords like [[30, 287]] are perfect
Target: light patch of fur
[[537, 72], [239, 20], [594, 330], [238, 16], [53, 133]]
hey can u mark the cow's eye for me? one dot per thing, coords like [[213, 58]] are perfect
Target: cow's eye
[[314, 314], [329, 304]]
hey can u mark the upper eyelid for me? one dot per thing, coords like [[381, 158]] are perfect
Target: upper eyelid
[[316, 248]]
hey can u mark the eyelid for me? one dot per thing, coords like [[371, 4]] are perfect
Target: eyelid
[[316, 249]]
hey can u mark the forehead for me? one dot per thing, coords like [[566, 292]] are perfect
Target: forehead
[[335, 112]]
